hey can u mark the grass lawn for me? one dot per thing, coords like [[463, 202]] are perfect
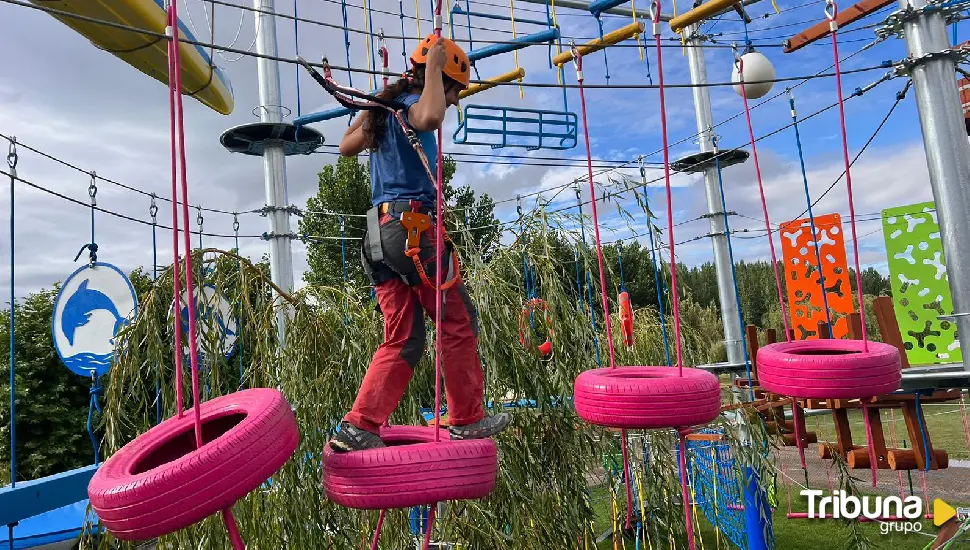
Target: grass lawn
[[943, 421], [798, 534]]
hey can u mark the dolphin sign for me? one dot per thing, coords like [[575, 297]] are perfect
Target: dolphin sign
[[81, 305], [216, 320], [93, 305]]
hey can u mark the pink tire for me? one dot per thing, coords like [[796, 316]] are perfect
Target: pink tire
[[645, 398], [160, 483], [412, 470], [829, 369]]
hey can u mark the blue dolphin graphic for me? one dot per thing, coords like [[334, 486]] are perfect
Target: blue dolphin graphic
[[84, 301]]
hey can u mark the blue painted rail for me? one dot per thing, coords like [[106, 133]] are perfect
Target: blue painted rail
[[516, 127], [31, 498]]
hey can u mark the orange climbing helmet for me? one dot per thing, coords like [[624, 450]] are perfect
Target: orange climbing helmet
[[458, 67]]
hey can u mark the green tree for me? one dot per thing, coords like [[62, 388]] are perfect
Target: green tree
[[344, 188], [51, 401]]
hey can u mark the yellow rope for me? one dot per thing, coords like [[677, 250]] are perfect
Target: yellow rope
[[516, 52], [370, 43], [774, 5], [552, 5], [633, 5], [417, 17]]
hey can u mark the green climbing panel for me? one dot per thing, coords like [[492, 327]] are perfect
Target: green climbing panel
[[921, 292]]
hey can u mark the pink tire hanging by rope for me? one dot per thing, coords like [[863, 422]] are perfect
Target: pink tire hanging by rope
[[411, 471], [646, 398], [160, 483], [829, 369]]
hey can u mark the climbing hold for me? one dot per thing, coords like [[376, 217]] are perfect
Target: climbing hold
[[412, 470], [756, 68], [829, 369], [645, 398], [160, 482], [626, 318]]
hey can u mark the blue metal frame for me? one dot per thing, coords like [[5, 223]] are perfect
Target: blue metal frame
[[517, 43], [599, 6], [560, 127], [30, 498]]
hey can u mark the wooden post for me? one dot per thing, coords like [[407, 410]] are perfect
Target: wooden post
[[855, 326], [843, 433], [921, 450], [751, 333], [823, 330], [888, 326], [771, 336]]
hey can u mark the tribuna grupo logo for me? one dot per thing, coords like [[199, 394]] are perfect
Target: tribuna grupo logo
[[893, 513]]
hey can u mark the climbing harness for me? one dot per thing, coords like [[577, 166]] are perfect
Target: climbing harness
[[415, 221]]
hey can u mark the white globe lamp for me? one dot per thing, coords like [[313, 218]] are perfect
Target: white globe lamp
[[756, 68]]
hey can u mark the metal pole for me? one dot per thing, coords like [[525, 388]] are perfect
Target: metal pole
[[584, 6], [274, 162], [722, 258], [947, 150]]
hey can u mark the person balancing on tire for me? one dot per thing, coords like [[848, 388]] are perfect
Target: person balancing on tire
[[398, 254]]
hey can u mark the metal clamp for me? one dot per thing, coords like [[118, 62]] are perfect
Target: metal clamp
[[93, 188], [655, 16], [235, 223], [12, 157], [198, 217], [907, 65], [577, 60], [893, 25], [831, 11], [270, 235], [153, 210]]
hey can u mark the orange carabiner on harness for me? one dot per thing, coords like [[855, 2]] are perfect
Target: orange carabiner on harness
[[416, 223]]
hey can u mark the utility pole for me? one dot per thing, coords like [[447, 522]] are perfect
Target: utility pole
[[733, 339], [947, 149], [274, 160]]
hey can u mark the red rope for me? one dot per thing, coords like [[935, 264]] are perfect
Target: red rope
[[831, 10], [377, 532], [764, 201], [176, 275], [655, 13], [578, 58], [683, 483], [178, 131], [439, 245]]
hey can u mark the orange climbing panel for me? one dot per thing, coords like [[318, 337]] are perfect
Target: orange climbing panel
[[806, 305]]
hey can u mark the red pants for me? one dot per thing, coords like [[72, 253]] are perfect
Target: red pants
[[390, 370]]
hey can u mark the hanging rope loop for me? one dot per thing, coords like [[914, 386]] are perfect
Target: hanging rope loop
[[831, 10], [92, 249]]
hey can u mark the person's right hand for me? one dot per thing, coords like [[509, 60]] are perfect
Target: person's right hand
[[436, 58]]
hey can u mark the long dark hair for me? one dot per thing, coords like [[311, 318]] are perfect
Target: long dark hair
[[375, 125]]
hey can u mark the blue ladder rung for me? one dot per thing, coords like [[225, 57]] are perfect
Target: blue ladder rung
[[521, 120], [599, 6], [517, 43]]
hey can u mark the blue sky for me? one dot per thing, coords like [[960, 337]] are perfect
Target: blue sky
[[65, 97]]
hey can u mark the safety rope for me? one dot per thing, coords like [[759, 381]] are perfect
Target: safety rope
[[606, 59], [633, 8], [761, 190], [343, 10], [655, 258], [343, 262], [94, 405], [296, 45], [811, 215], [239, 305], [831, 10], [177, 127], [153, 212], [589, 282], [368, 26], [619, 256], [12, 159], [578, 60], [404, 44], [734, 272], [91, 247], [515, 53]]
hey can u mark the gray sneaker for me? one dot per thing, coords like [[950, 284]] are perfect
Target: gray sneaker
[[352, 438], [486, 427]]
